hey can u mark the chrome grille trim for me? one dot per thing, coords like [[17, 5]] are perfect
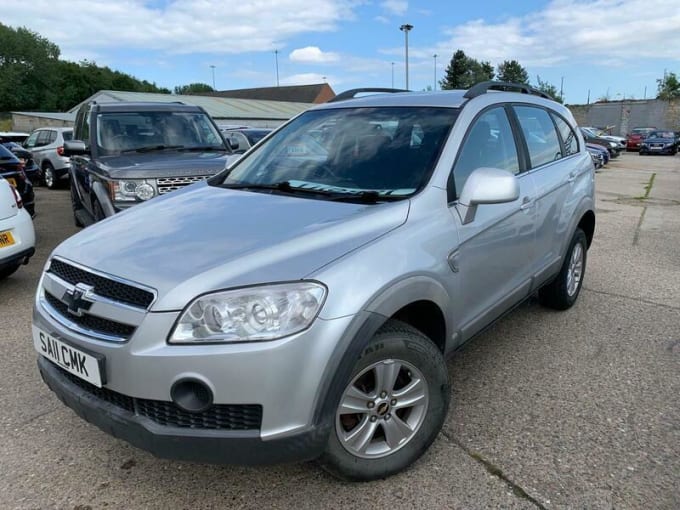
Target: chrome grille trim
[[169, 184], [119, 319]]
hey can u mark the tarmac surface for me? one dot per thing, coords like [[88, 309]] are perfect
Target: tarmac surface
[[576, 409]]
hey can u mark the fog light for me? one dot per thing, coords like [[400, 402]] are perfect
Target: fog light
[[191, 395]]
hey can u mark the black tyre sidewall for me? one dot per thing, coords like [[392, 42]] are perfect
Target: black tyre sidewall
[[406, 344], [555, 295]]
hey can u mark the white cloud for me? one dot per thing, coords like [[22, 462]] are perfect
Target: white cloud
[[313, 54], [382, 19], [305, 79], [180, 27], [396, 7], [609, 31]]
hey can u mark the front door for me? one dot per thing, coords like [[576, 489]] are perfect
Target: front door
[[497, 249]]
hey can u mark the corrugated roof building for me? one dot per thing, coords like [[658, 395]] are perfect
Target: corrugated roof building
[[224, 110]]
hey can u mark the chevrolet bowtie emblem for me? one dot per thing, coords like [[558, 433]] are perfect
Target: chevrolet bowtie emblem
[[79, 299]]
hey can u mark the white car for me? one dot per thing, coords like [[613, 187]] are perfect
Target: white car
[[17, 237]]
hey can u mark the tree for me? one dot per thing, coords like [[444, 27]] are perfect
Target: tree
[[549, 89], [26, 63], [512, 72], [668, 87], [463, 72], [32, 77], [194, 88]]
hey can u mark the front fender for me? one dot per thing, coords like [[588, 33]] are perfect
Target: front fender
[[102, 195]]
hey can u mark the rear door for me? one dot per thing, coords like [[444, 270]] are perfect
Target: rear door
[[496, 250], [553, 150]]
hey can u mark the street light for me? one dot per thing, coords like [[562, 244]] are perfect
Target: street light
[[276, 56], [212, 67], [435, 72], [406, 29], [392, 74]]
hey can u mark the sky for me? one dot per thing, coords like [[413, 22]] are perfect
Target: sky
[[591, 49]]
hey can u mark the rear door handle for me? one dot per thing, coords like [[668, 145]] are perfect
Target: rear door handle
[[572, 177]]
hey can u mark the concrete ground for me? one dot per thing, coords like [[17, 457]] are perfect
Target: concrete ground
[[576, 409]]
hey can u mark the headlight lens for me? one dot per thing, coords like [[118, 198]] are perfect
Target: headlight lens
[[250, 314], [132, 190]]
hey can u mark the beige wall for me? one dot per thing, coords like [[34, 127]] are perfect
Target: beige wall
[[27, 123]]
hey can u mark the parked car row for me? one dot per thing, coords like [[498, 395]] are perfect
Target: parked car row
[[650, 140]]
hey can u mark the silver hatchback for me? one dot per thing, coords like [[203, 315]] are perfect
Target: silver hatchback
[[301, 304]]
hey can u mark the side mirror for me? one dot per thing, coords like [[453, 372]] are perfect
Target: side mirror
[[486, 186], [232, 143], [75, 148]]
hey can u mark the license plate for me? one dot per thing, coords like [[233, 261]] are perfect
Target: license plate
[[6, 239], [87, 366], [12, 181]]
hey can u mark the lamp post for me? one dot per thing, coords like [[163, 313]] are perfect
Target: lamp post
[[212, 67], [276, 58], [406, 29], [392, 74], [434, 84]]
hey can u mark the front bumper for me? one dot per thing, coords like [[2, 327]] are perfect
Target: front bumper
[[283, 376], [219, 447]]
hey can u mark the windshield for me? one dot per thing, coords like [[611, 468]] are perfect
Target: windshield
[[140, 131], [388, 152], [662, 134], [255, 135], [642, 131]]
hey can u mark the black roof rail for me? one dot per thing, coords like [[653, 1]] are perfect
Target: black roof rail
[[483, 87], [350, 94]]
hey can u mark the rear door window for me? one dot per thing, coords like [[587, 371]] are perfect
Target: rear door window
[[43, 139], [540, 135]]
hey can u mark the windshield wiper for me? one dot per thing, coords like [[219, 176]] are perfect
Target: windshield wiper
[[203, 148], [152, 148], [369, 197]]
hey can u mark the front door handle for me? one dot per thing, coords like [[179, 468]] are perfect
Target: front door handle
[[526, 204], [572, 177]]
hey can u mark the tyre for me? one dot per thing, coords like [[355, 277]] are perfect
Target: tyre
[[49, 177], [98, 211], [392, 407], [563, 291], [7, 271]]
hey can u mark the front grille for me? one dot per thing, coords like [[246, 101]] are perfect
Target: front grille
[[168, 184], [167, 414], [103, 286], [91, 322]]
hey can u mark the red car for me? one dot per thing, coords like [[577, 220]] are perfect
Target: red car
[[635, 137]]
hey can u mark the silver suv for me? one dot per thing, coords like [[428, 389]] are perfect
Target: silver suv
[[47, 147], [301, 304]]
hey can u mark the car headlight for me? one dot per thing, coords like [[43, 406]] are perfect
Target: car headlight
[[132, 190], [612, 145], [250, 314]]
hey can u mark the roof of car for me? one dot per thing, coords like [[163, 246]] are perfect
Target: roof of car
[[129, 106], [62, 129], [442, 99], [446, 98]]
